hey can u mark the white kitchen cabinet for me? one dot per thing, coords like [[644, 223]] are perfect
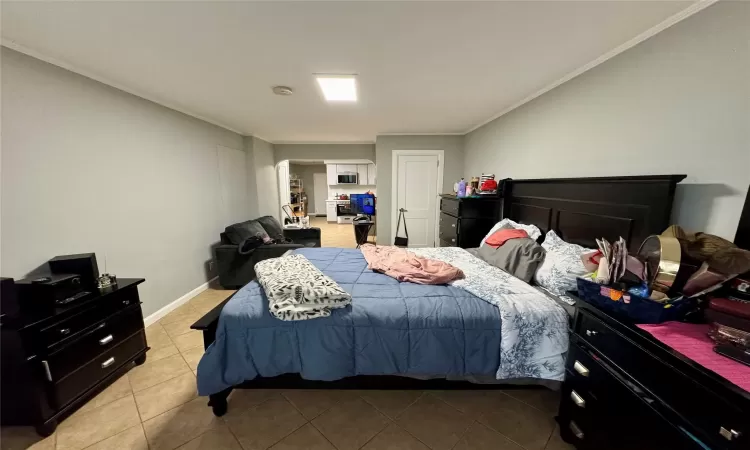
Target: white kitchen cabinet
[[330, 211], [362, 174], [331, 174], [371, 174], [350, 168]]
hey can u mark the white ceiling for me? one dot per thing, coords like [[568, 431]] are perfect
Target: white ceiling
[[424, 67]]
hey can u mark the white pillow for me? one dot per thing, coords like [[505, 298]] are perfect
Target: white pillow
[[531, 230], [561, 265]]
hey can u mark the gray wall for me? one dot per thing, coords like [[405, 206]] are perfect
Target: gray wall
[[324, 151], [89, 168], [306, 172], [267, 186], [677, 103], [384, 146]]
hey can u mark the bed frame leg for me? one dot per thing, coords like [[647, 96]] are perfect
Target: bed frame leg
[[218, 402]]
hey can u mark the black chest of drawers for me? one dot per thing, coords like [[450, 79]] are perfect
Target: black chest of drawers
[[626, 390], [52, 362], [465, 221]]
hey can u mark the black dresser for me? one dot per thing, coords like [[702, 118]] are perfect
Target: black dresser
[[465, 221], [626, 390], [53, 362]]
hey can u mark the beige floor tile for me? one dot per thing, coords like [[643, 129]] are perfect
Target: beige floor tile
[[193, 356], [161, 353], [243, 400], [130, 439], [524, 424], [98, 424], [180, 425], [556, 443], [165, 396], [219, 438], [350, 424], [117, 390], [191, 339], [472, 402], [479, 437], [394, 438], [389, 402], [177, 313], [22, 438], [181, 324], [305, 438], [266, 424], [154, 372], [313, 402], [434, 422], [543, 399], [157, 337]]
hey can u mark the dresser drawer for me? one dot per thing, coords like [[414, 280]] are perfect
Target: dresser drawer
[[103, 365], [90, 344], [69, 328], [699, 406], [450, 206], [448, 227]]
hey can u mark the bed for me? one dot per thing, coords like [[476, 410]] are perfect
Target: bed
[[404, 335]]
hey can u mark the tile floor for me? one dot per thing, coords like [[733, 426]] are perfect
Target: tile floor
[[156, 407], [336, 235]]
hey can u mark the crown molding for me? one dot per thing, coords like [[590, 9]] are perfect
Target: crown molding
[[325, 142], [696, 7], [72, 68], [422, 134]]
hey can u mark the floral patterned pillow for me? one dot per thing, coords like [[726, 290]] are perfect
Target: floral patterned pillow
[[561, 265]]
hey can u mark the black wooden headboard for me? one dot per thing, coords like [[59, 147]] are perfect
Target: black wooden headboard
[[582, 209]]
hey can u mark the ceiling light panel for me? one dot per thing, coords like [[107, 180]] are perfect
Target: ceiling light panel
[[338, 88]]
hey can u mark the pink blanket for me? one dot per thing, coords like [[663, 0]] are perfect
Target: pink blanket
[[403, 265], [691, 340]]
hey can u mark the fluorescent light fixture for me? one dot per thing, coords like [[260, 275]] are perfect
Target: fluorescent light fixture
[[338, 88]]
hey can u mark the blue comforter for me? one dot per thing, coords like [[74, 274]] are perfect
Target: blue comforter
[[391, 328]]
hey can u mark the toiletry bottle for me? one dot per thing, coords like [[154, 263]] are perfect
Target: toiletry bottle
[[462, 188]]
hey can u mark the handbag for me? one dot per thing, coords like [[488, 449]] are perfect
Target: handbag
[[401, 241]]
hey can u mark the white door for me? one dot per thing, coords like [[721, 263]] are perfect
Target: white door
[[320, 192], [282, 175], [418, 175]]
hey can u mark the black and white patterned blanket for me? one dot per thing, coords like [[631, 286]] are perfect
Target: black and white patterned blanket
[[534, 327], [297, 290]]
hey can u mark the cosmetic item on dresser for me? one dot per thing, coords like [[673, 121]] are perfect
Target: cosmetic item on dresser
[[83, 264], [634, 387], [465, 221], [54, 360]]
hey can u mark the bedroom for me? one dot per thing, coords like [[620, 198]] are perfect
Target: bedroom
[[128, 134]]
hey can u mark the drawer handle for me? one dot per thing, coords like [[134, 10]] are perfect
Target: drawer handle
[[577, 432], [730, 434], [48, 374], [65, 331], [126, 302], [105, 340], [591, 332], [108, 362], [581, 369], [577, 399]]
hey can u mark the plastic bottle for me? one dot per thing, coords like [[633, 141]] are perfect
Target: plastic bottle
[[461, 188]]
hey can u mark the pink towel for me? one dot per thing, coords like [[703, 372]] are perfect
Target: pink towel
[[403, 265], [691, 340]]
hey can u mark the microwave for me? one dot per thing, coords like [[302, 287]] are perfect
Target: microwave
[[347, 178]]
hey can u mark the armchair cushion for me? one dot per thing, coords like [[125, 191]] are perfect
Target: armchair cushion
[[272, 227], [238, 232]]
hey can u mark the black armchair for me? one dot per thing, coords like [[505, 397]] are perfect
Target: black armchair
[[235, 269]]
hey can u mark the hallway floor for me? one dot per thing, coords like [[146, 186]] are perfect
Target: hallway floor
[[336, 235]]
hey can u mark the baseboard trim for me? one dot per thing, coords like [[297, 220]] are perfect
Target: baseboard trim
[[153, 318]]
